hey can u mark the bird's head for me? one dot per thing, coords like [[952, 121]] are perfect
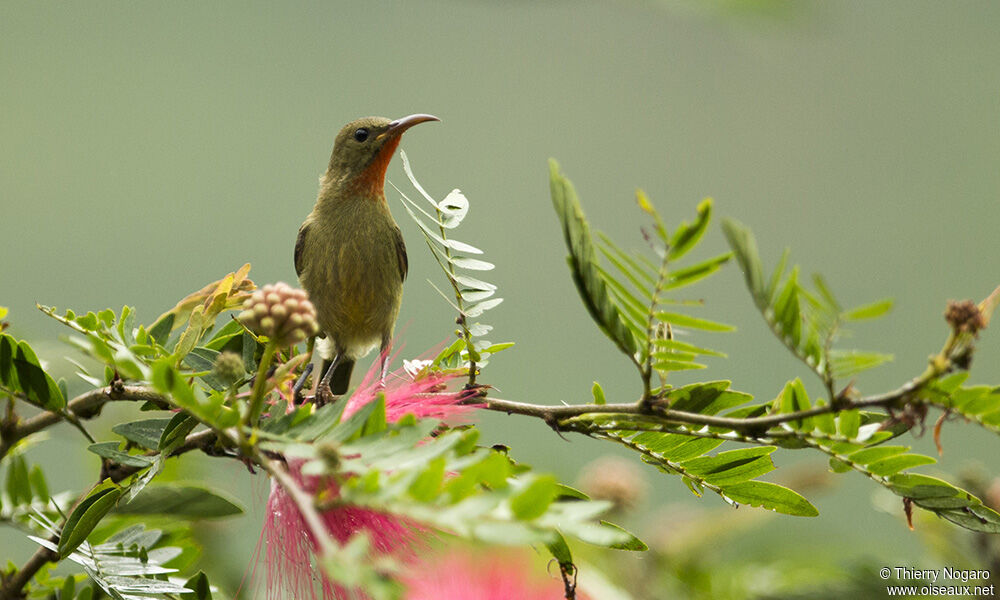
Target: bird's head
[[363, 149]]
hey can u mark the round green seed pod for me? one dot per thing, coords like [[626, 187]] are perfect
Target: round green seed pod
[[228, 367]]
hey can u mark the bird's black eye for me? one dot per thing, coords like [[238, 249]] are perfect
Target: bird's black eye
[[361, 134]]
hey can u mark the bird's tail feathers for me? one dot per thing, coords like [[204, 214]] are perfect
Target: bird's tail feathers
[[340, 380]]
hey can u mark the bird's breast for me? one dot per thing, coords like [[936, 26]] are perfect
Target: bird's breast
[[351, 271]]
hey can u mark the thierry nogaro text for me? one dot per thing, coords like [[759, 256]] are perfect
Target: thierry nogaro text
[[944, 574]]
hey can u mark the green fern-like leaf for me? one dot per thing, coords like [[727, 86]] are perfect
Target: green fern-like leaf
[[979, 404], [582, 260], [627, 297], [470, 296], [731, 474], [128, 565], [808, 321]]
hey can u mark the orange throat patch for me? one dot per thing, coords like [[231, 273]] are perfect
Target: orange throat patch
[[372, 179]]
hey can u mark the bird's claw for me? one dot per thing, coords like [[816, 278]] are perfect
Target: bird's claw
[[324, 395]]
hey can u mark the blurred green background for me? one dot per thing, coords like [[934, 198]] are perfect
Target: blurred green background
[[149, 148]]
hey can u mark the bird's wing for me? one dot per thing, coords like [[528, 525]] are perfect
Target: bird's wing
[[300, 244], [400, 253]]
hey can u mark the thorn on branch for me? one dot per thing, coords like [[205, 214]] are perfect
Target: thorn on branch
[[553, 422]]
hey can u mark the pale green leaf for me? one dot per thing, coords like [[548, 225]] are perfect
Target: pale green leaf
[[845, 363], [772, 497], [687, 235], [681, 320], [869, 311]]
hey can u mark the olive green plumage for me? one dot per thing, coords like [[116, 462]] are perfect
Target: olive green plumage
[[349, 254]]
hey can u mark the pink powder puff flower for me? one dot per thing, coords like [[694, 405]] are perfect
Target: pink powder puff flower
[[290, 546], [498, 574], [413, 390]]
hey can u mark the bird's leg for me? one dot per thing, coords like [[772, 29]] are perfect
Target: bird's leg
[[323, 393], [383, 352], [297, 388]]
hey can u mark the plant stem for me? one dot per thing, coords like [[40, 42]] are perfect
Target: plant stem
[[304, 502], [462, 318], [554, 414], [647, 364], [259, 384], [84, 406]]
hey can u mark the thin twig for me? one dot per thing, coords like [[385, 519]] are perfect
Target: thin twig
[[84, 406], [259, 385], [555, 414], [589, 428], [304, 502], [462, 318]]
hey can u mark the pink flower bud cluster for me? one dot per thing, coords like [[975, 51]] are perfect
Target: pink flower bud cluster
[[281, 312]]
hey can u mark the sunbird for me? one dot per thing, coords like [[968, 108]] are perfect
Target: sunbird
[[349, 254]]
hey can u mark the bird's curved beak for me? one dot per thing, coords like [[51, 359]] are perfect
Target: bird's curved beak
[[398, 126]]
